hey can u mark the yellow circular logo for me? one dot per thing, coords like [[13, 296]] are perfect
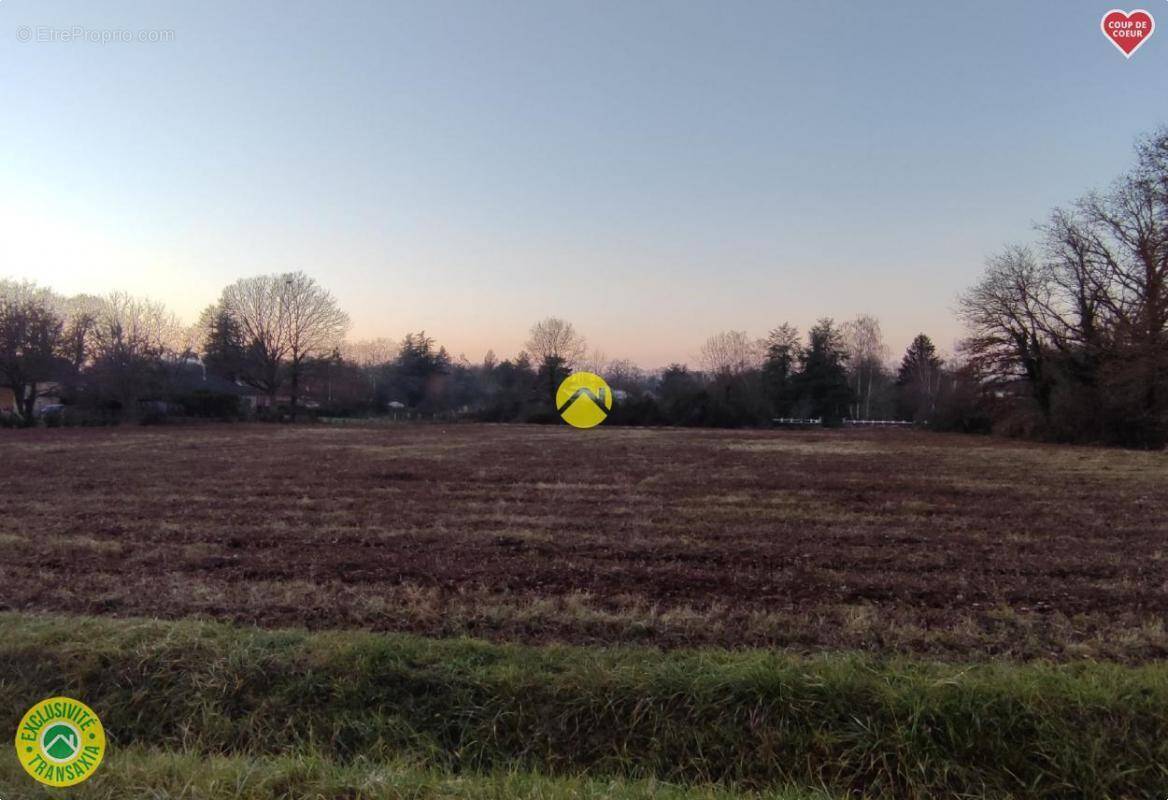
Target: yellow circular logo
[[60, 741], [584, 400]]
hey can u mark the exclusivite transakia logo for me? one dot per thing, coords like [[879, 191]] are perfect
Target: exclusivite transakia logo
[[60, 741], [1128, 30]]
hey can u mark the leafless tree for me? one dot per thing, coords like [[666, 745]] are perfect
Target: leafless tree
[[79, 314], [129, 339], [370, 353], [371, 356], [32, 335], [256, 306], [1089, 316], [1007, 314], [80, 320], [867, 354], [1126, 241], [285, 320], [23, 291], [731, 353], [595, 362], [315, 325], [623, 374], [555, 339], [557, 348], [128, 327]]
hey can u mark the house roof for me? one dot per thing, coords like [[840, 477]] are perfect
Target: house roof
[[191, 378]]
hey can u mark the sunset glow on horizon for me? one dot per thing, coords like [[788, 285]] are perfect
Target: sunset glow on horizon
[[653, 173]]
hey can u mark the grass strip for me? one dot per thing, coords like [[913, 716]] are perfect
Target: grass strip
[[136, 774], [895, 729]]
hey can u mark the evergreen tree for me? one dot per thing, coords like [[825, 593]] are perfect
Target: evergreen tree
[[682, 397], [419, 372], [822, 381], [779, 368], [223, 351], [918, 381]]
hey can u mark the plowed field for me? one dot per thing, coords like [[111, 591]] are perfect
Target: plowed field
[[881, 540]]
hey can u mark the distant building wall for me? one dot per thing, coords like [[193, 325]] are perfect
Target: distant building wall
[[48, 398]]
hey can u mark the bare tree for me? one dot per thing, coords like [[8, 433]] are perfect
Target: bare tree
[[23, 291], [80, 319], [1008, 315], [556, 339], [626, 376], [867, 353], [129, 339], [557, 348], [1086, 326], [595, 362], [1126, 231], [371, 357], [255, 305], [731, 353], [370, 353], [128, 327], [32, 336], [284, 320], [314, 325]]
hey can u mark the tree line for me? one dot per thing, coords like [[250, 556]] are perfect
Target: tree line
[[274, 346], [1066, 340]]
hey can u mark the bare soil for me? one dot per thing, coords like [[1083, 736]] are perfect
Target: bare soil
[[890, 541]]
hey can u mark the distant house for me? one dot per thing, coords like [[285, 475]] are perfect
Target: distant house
[[261, 400], [47, 396], [50, 395], [193, 387]]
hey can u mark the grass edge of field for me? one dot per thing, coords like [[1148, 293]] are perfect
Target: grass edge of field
[[760, 719], [168, 775]]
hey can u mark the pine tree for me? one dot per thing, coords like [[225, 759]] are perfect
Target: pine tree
[[778, 370], [822, 381], [223, 351], [918, 380]]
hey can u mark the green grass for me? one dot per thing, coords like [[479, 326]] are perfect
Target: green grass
[[892, 729], [141, 774]]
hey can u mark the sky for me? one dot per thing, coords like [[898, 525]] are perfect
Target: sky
[[654, 172]]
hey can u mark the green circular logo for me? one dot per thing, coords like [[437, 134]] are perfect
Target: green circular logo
[[60, 741]]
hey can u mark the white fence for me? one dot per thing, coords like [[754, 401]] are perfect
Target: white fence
[[878, 422], [863, 423]]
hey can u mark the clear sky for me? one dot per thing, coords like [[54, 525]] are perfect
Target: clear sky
[[653, 171]]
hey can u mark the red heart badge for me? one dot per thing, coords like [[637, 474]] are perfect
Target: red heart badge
[[1127, 30]]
